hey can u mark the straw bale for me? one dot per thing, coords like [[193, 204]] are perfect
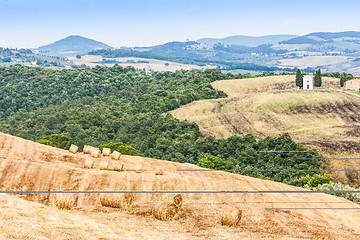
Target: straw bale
[[159, 171], [118, 166], [176, 199], [87, 149], [115, 155], [106, 151], [73, 148], [65, 201], [231, 216], [104, 165], [117, 200], [111, 165], [89, 163], [165, 211], [95, 152]]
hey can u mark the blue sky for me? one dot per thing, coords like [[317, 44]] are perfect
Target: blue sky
[[27, 23]]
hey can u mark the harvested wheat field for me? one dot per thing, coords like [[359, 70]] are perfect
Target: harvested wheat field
[[326, 119], [25, 165]]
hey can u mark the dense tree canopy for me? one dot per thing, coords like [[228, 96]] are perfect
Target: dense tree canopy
[[101, 105]]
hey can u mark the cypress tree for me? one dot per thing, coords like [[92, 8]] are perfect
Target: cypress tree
[[299, 79], [317, 79], [342, 82]]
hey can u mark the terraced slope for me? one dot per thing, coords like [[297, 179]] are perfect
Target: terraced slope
[[25, 165], [326, 117]]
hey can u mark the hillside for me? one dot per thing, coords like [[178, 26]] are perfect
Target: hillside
[[78, 105], [147, 65], [71, 46], [326, 119], [272, 105], [323, 37], [248, 41], [25, 165]]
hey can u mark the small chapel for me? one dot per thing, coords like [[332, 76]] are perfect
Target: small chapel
[[308, 82]]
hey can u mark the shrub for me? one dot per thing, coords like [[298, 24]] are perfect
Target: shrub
[[355, 197], [213, 162], [57, 140], [46, 142], [313, 181], [121, 147]]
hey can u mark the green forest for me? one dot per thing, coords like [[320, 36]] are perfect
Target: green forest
[[100, 105]]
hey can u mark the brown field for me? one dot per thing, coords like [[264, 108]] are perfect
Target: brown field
[[30, 166], [154, 64], [313, 61], [325, 119]]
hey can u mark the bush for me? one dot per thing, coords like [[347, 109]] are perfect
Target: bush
[[46, 142], [57, 140], [313, 181], [213, 162], [355, 197], [121, 147]]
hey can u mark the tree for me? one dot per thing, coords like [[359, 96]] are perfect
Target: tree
[[213, 162], [344, 77], [57, 140], [299, 79], [317, 79], [342, 82]]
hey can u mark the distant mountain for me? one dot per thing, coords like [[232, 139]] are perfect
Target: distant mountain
[[248, 40], [71, 46], [323, 37]]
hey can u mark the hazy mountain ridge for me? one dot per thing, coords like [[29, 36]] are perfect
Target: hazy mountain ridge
[[72, 45], [248, 41], [330, 51], [321, 37]]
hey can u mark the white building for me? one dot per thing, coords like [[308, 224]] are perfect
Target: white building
[[308, 82]]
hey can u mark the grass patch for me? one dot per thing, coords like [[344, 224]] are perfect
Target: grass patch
[[352, 91]]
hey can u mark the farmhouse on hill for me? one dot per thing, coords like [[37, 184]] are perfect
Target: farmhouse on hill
[[353, 84], [308, 82]]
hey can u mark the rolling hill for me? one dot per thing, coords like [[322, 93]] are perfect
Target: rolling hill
[[323, 37], [248, 41], [30, 166], [272, 105], [71, 46], [326, 119]]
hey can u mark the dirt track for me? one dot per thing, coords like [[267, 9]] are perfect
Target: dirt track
[[25, 165]]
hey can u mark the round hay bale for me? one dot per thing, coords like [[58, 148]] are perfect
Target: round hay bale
[[231, 216], [165, 211], [65, 201], [176, 199], [115, 155], [159, 171], [95, 152], [106, 151], [104, 165], [117, 200], [73, 148], [87, 149], [89, 163]]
